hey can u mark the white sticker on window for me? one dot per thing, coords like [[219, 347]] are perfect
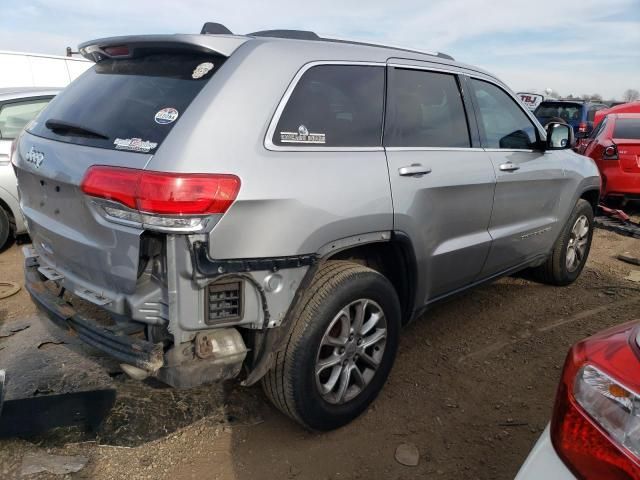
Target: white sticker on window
[[134, 144], [166, 115], [302, 136], [201, 70]]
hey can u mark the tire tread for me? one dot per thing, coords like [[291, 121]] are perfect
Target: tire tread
[[552, 272], [278, 382]]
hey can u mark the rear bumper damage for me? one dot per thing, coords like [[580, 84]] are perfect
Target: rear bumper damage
[[214, 355], [202, 336], [124, 348]]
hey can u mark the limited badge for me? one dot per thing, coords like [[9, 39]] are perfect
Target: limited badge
[[201, 70], [302, 136], [134, 144], [166, 115]]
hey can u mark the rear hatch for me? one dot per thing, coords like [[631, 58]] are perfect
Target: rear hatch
[[568, 112], [117, 114], [626, 136]]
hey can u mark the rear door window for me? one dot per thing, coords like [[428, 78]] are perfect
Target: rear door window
[[503, 124], [127, 104], [334, 106], [627, 129], [16, 114], [425, 109]]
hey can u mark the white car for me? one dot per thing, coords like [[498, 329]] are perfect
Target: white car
[[18, 106], [544, 463], [595, 429]]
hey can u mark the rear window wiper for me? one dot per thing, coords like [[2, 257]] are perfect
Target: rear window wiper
[[61, 127]]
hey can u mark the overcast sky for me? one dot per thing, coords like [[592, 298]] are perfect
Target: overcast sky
[[572, 46]]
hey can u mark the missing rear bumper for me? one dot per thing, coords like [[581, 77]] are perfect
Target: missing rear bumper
[[133, 351]]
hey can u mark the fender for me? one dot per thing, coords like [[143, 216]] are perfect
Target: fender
[[274, 339]]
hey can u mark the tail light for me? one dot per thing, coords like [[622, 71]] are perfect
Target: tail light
[[610, 153], [160, 200], [117, 51], [596, 421]]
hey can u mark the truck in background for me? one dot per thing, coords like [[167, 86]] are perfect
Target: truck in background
[[36, 70]]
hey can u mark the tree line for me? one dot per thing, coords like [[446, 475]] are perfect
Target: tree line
[[629, 95]]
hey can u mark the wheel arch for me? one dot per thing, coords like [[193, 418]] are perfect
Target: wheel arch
[[10, 204], [592, 196], [395, 259]]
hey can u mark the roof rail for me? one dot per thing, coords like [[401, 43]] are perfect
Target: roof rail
[[307, 35], [217, 29], [294, 34], [395, 47]]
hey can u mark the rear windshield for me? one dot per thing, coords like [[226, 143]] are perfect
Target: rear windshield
[[127, 104], [627, 128], [569, 112]]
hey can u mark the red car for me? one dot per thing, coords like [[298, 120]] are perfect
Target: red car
[[595, 428], [615, 147], [630, 107]]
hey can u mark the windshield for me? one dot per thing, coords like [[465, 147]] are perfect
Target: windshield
[[127, 104], [568, 112]]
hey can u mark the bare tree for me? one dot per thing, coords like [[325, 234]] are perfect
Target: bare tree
[[631, 95]]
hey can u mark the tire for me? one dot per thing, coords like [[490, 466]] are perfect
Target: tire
[[556, 270], [339, 290], [5, 229]]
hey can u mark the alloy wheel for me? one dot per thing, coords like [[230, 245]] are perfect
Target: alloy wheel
[[351, 351]]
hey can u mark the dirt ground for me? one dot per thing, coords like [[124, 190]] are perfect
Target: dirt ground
[[472, 388]]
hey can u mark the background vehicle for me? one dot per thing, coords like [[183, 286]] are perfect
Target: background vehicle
[[580, 115], [630, 107], [615, 147], [34, 70], [262, 237], [594, 430], [18, 106]]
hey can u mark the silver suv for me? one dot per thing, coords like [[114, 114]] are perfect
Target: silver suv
[[276, 206]]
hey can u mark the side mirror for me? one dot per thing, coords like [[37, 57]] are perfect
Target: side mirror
[[560, 136]]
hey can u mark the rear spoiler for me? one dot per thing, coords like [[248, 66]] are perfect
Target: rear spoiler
[[128, 46]]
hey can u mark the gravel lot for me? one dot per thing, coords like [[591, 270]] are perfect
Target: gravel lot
[[472, 388]]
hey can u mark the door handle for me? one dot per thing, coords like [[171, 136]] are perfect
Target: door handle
[[413, 169], [509, 167]]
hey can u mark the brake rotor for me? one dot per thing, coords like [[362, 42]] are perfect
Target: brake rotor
[[8, 288]]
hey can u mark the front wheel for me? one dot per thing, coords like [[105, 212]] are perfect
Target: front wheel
[[571, 250], [340, 350]]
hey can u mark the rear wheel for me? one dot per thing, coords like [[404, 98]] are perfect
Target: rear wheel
[[5, 229], [571, 250], [340, 350]]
